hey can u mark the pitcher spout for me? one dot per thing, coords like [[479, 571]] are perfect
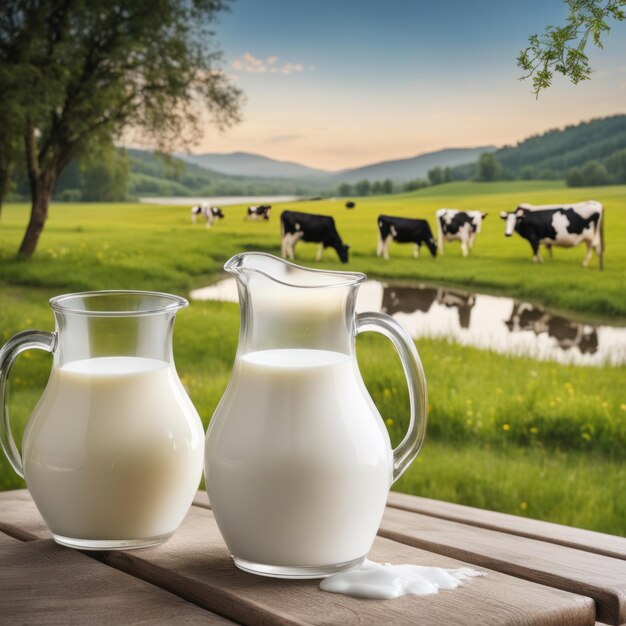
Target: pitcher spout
[[289, 274], [284, 305]]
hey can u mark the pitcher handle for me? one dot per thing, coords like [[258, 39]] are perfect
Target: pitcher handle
[[408, 448], [22, 341]]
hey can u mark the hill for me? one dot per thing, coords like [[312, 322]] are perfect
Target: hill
[[247, 164], [552, 154], [397, 170], [404, 170], [152, 175]]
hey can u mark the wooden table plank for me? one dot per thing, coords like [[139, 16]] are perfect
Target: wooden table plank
[[600, 577], [195, 565], [20, 518], [605, 580], [42, 583], [5, 540], [588, 540]]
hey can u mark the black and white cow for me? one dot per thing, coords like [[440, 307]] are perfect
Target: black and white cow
[[320, 229], [210, 213], [455, 225], [404, 230], [259, 212], [562, 225]]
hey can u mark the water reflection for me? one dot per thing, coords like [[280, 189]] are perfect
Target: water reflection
[[488, 322], [398, 299], [567, 333]]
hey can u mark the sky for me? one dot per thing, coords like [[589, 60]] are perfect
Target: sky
[[335, 84]]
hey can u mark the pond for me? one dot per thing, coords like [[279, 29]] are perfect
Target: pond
[[218, 200], [494, 323]]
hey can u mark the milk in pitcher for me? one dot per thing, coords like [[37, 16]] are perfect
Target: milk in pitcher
[[113, 450]]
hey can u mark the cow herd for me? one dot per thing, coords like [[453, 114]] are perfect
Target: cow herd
[[565, 226]]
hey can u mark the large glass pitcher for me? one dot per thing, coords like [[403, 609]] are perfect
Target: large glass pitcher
[[298, 461], [112, 453]]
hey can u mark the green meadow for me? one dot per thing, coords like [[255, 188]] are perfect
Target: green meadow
[[506, 433]]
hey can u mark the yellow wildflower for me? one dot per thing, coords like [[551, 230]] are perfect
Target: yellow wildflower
[[523, 505], [506, 427], [389, 421]]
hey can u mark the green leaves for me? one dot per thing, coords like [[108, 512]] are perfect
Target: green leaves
[[561, 49]]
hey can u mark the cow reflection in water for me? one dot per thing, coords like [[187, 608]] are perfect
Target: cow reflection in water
[[566, 332], [410, 299]]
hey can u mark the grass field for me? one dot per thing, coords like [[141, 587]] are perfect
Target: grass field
[[512, 434]]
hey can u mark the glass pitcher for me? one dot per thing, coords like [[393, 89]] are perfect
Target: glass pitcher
[[112, 453], [298, 461]]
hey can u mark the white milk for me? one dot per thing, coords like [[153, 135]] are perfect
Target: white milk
[[298, 461], [383, 581], [113, 450]]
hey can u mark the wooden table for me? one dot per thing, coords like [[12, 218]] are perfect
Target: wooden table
[[537, 573]]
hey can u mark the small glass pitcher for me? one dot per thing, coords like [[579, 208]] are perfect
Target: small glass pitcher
[[298, 461], [112, 453]]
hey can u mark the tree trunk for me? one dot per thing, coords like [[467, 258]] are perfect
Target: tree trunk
[[41, 194], [5, 178]]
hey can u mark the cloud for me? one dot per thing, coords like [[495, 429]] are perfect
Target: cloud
[[283, 138], [249, 64]]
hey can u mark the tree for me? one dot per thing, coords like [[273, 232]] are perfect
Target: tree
[[435, 176], [447, 175], [345, 189], [561, 49], [362, 188], [105, 175], [377, 188], [387, 186], [488, 168], [594, 174], [616, 165], [528, 172], [574, 178], [83, 71], [414, 185]]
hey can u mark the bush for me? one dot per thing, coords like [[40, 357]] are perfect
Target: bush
[[574, 178], [591, 174], [69, 195]]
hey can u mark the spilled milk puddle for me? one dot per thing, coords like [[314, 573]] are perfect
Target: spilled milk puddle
[[495, 323]]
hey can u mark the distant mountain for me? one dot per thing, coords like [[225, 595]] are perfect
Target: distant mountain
[[398, 170], [247, 164], [153, 175], [551, 154], [404, 170]]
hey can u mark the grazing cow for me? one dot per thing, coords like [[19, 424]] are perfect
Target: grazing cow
[[568, 334], [259, 212], [211, 214], [404, 230], [565, 226], [320, 229], [350, 205], [461, 225]]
